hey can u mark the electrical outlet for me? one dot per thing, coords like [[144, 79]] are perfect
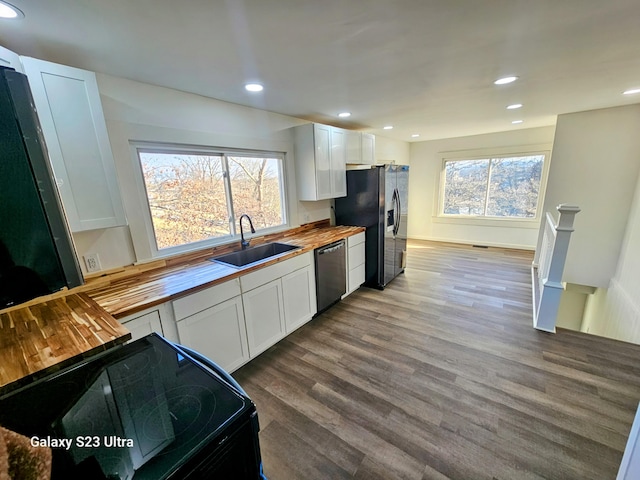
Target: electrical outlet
[[92, 262]]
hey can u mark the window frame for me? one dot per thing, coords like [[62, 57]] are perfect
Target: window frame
[[488, 154], [224, 153]]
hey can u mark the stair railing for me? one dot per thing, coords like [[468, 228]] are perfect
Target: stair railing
[[551, 261]]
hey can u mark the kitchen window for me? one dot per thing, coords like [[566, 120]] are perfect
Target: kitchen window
[[196, 196], [505, 187]]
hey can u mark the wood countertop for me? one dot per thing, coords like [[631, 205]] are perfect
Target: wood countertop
[[39, 339], [188, 273], [50, 333]]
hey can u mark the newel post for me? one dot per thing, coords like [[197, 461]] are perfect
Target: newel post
[[552, 286]]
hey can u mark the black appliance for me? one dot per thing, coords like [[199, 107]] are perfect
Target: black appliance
[[148, 410], [378, 198], [331, 277], [37, 255]]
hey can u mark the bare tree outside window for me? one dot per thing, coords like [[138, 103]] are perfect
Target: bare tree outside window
[[191, 201], [256, 190], [496, 187], [465, 187]]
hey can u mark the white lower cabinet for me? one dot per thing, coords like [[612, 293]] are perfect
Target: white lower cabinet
[[355, 262], [264, 316], [211, 322], [235, 321], [218, 333], [144, 325], [277, 300], [157, 319], [298, 291]]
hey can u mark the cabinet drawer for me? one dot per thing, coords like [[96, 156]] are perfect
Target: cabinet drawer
[[356, 278], [196, 302], [277, 270], [356, 239], [356, 256]]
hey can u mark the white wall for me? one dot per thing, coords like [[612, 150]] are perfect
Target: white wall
[[596, 161], [136, 111], [426, 163], [390, 150], [615, 312]]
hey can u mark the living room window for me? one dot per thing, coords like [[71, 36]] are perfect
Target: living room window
[[196, 196], [492, 187]]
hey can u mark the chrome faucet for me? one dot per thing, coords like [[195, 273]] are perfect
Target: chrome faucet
[[245, 243]]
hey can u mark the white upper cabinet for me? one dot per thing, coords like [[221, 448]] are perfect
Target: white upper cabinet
[[360, 147], [320, 153], [353, 140], [10, 59], [70, 113], [368, 149]]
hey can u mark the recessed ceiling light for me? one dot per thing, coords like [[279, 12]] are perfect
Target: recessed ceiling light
[[505, 80], [415, 135], [388, 127], [633, 91], [253, 87], [9, 11], [514, 106], [517, 121], [344, 114]]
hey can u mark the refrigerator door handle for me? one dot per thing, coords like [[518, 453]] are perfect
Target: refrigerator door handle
[[396, 199], [399, 210], [394, 206]]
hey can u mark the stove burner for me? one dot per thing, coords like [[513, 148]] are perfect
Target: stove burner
[[193, 412]]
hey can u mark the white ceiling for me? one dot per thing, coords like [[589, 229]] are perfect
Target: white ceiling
[[423, 66]]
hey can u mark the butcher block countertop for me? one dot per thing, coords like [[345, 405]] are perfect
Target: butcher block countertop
[[52, 332], [39, 339], [188, 273]]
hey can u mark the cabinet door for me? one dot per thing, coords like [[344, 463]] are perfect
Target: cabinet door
[[10, 59], [322, 146], [143, 325], [70, 113], [338, 164], [368, 148], [264, 316], [218, 333], [353, 142], [299, 295]]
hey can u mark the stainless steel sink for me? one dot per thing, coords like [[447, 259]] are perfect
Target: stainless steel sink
[[250, 256]]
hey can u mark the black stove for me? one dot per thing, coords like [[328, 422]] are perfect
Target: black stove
[[146, 410]]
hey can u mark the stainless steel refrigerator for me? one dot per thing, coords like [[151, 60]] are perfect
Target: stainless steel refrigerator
[[378, 199]]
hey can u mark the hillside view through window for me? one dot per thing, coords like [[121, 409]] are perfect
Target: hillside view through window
[[493, 187], [194, 196]]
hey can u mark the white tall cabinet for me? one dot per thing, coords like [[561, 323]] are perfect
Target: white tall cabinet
[[320, 154], [70, 113], [10, 59]]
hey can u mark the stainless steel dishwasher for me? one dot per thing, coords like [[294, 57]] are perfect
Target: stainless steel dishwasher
[[331, 282]]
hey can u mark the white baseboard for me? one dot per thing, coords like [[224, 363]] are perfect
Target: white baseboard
[[468, 242]]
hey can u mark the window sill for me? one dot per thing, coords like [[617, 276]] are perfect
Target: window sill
[[529, 223], [171, 252]]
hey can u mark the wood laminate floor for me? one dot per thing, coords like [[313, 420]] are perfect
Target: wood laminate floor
[[441, 375]]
